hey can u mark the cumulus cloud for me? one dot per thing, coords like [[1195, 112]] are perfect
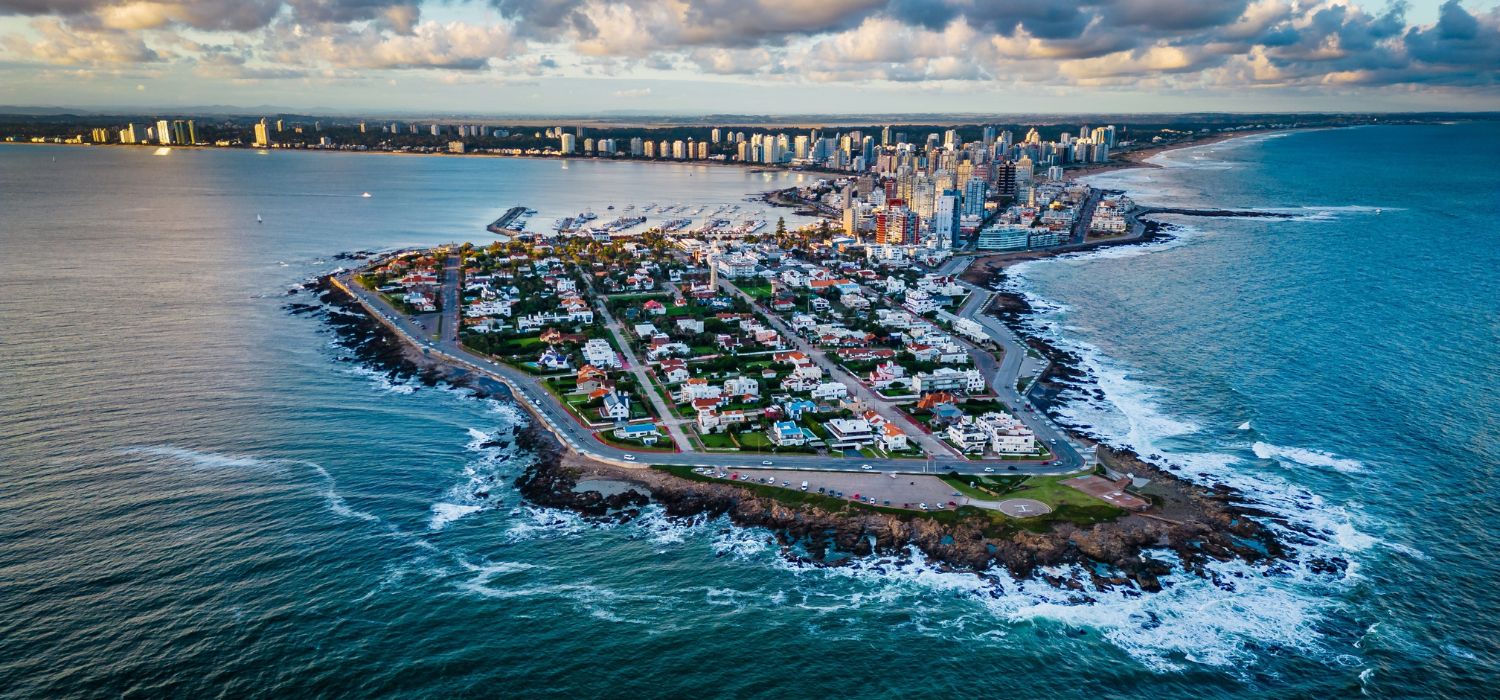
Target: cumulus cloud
[[1165, 44], [58, 43], [428, 45]]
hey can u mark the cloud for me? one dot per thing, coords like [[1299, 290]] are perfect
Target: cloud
[[1161, 45], [60, 44], [429, 45]]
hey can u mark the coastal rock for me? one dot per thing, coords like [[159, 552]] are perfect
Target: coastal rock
[[1199, 524]]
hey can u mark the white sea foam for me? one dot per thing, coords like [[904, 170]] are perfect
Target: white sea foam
[[335, 501], [1193, 620], [215, 460], [203, 460], [383, 381], [1306, 457], [537, 523], [445, 513], [483, 483]]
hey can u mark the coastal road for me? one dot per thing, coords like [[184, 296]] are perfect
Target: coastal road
[[529, 393], [1005, 374]]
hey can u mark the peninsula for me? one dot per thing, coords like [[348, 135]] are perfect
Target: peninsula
[[845, 388]]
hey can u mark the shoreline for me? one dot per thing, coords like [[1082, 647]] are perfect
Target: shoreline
[[752, 168], [1139, 158], [1198, 525], [1064, 370]]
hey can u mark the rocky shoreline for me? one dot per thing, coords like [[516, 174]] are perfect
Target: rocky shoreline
[[1199, 525]]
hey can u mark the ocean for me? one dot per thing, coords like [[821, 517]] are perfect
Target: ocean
[[202, 494]]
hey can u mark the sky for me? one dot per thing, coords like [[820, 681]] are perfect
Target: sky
[[585, 57]]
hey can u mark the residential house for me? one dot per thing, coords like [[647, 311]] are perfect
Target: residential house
[[554, 359], [597, 352], [892, 438], [744, 388], [864, 354], [854, 301], [887, 375], [788, 434], [616, 406], [673, 370], [697, 388], [849, 433], [967, 435], [646, 433], [949, 379], [829, 391], [970, 329], [920, 302], [796, 408]]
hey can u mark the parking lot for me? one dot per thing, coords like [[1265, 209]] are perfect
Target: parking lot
[[904, 491]]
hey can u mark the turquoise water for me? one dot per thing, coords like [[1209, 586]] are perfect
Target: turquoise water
[[200, 496]]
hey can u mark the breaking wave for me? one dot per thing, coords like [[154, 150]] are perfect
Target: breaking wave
[[1311, 458]]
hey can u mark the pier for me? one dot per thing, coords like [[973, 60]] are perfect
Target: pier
[[502, 225]]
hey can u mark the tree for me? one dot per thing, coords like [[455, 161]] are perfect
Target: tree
[[780, 226]]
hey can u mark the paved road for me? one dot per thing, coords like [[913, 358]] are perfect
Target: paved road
[[1005, 375], [674, 428], [528, 391], [1085, 217]]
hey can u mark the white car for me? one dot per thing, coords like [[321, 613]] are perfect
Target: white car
[[989, 470], [865, 467], [630, 458], [766, 462]]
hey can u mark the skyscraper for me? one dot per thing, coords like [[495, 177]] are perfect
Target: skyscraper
[[262, 138], [975, 191], [895, 224], [945, 219], [569, 143], [164, 132]]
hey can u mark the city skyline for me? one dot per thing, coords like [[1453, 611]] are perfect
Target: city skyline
[[766, 57]]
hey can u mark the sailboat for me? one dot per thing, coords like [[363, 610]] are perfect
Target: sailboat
[[258, 219], [366, 195]]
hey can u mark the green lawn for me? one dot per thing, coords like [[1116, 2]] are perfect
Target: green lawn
[[961, 485], [755, 440], [1051, 490], [756, 291], [716, 440]]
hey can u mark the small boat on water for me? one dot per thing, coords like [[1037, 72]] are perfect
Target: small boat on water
[[258, 220], [366, 195]]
